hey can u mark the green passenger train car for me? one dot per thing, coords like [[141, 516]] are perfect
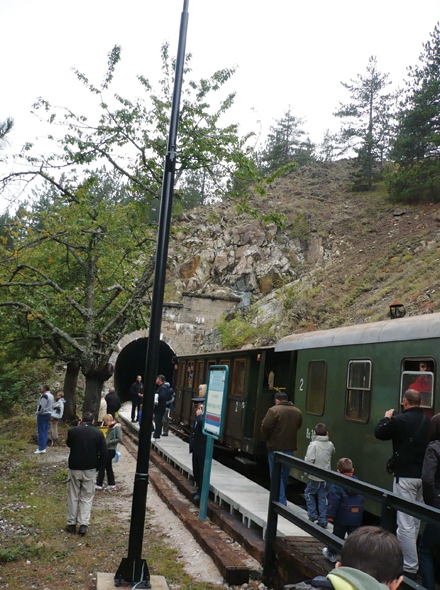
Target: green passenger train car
[[253, 375], [348, 377]]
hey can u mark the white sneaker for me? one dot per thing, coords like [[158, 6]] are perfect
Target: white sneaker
[[98, 487], [330, 556], [38, 452], [111, 488]]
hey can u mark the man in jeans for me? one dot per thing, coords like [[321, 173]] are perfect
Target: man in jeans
[[279, 428], [43, 413], [408, 432]]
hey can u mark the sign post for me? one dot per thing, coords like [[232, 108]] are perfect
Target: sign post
[[215, 406]]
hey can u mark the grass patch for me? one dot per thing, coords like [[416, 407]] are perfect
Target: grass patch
[[35, 552]]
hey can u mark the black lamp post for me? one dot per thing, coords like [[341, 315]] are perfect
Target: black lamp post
[[133, 570]]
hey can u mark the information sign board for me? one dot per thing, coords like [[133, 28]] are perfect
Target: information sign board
[[216, 400]]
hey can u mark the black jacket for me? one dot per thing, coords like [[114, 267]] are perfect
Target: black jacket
[[408, 452], [113, 403], [162, 399], [431, 474], [137, 387], [88, 449], [197, 440]]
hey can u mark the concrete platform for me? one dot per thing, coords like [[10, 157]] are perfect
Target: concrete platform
[[107, 582], [241, 496]]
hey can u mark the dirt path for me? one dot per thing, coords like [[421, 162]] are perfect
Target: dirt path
[[196, 562]]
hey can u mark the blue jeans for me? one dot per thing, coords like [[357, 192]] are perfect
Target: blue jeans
[[285, 470], [316, 500], [428, 543], [43, 430]]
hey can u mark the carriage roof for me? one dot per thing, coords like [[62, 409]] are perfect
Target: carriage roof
[[395, 330]]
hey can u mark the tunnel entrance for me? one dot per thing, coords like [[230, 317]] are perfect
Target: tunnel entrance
[[131, 362]]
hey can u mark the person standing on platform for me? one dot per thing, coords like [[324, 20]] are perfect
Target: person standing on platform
[[137, 395], [319, 452], [409, 433], [159, 409], [279, 428], [345, 508], [43, 413], [197, 446], [88, 452], [430, 541]]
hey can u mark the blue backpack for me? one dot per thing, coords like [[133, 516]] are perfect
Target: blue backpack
[[171, 396]]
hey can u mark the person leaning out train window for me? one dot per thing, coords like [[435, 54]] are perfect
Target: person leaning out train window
[[423, 383]]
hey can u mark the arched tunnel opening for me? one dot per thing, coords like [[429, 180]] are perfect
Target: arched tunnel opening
[[131, 363]]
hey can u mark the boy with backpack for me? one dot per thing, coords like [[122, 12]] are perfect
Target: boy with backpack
[[345, 508]]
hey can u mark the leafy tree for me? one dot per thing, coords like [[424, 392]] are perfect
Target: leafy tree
[[416, 148], [286, 143], [79, 268], [77, 273], [131, 134], [77, 280], [367, 121]]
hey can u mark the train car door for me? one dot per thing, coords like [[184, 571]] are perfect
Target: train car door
[[236, 403], [178, 388]]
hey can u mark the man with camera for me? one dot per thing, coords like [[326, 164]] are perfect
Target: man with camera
[[408, 432]]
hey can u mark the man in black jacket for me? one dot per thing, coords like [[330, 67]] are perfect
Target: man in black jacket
[[137, 394], [197, 446], [409, 433], [88, 451], [160, 408], [113, 403]]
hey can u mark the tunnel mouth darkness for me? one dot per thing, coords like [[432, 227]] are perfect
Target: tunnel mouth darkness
[[131, 363]]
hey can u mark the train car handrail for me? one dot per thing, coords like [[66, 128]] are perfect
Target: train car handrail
[[389, 501]]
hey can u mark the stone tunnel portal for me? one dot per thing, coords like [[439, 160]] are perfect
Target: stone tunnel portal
[[131, 362]]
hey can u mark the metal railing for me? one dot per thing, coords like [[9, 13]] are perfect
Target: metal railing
[[390, 503]]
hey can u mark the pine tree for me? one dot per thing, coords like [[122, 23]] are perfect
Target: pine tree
[[5, 128], [285, 143], [366, 126], [416, 149]]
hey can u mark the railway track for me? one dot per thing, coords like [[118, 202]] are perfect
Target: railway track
[[224, 538]]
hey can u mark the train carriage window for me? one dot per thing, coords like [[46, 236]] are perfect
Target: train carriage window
[[358, 399], [181, 374], [210, 364], [418, 374], [316, 387], [199, 374], [190, 374], [238, 377]]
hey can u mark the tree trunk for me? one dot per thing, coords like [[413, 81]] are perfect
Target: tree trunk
[[94, 381], [69, 388]]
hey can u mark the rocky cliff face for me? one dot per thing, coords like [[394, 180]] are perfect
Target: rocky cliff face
[[341, 258]]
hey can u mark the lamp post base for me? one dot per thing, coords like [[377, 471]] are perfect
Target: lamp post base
[[133, 573]]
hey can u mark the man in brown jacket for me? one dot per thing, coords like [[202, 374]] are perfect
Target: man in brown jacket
[[279, 428]]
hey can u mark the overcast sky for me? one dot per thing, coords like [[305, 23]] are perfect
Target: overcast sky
[[287, 52]]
